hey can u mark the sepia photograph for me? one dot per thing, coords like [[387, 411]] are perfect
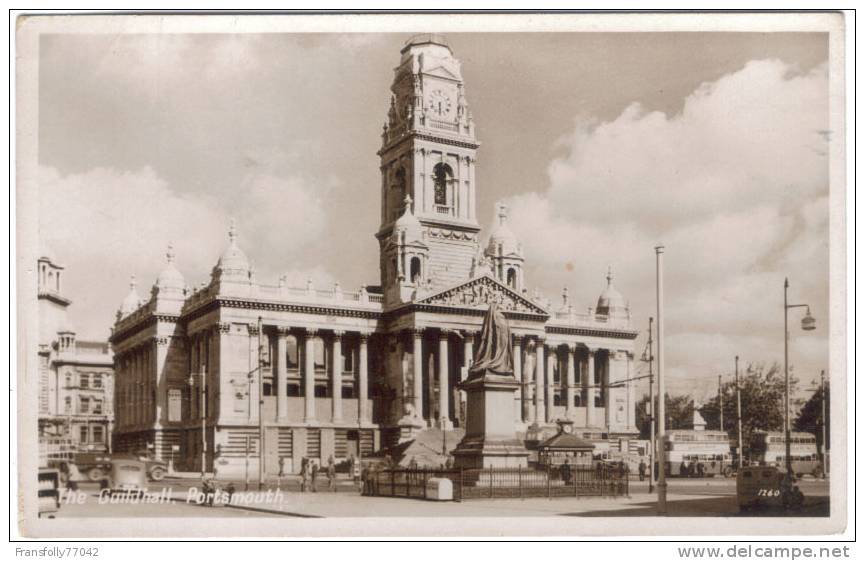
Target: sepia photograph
[[511, 274]]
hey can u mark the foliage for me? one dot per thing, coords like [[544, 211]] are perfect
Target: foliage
[[679, 413], [762, 395], [809, 418]]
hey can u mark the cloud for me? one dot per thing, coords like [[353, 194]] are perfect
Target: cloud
[[107, 224], [735, 186]]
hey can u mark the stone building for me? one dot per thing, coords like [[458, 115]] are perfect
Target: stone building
[[341, 371], [76, 377]]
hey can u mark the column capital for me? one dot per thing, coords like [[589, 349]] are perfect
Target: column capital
[[540, 339], [469, 333], [283, 330], [252, 328], [311, 332], [416, 332], [517, 339], [338, 333], [592, 350], [223, 327], [444, 334], [364, 336]]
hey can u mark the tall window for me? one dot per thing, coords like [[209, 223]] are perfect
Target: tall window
[[84, 405], [291, 357], [97, 407], [442, 174], [512, 278], [67, 405], [98, 434], [82, 434], [415, 269], [97, 381], [318, 353], [84, 381]]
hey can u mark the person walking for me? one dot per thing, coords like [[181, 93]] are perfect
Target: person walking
[[331, 474], [642, 469], [566, 472]]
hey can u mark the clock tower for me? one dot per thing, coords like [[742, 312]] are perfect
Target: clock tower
[[428, 156]]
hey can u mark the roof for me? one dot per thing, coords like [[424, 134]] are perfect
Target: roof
[[568, 441]]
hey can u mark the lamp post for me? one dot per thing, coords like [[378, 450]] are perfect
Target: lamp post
[[202, 414], [653, 453], [824, 467], [739, 414], [662, 471], [808, 324]]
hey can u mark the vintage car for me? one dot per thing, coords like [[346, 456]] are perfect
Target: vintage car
[[765, 486], [128, 475]]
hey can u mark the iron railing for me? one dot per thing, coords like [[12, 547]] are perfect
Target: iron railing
[[491, 483]]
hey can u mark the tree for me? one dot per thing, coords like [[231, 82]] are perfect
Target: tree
[[810, 419], [679, 413], [762, 391]]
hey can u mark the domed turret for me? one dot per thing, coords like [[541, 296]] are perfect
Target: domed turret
[[503, 241], [233, 261], [132, 301], [611, 303], [170, 278], [408, 224]]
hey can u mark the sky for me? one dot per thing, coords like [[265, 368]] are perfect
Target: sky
[[602, 144]]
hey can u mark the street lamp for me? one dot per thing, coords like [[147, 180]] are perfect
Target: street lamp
[[202, 414], [808, 324]]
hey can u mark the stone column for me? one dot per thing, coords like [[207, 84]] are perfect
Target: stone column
[[309, 377], [280, 378], [468, 359], [590, 388], [518, 376], [444, 392], [552, 360], [539, 380], [417, 372], [363, 382], [570, 382], [336, 377]]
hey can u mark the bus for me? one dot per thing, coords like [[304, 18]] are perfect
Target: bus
[[698, 453], [768, 449]]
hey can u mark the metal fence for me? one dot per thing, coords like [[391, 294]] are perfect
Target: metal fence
[[544, 481]]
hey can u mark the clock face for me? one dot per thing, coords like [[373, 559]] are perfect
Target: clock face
[[439, 103]]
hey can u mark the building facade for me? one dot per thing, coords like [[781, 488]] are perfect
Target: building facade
[[76, 377], [333, 372]]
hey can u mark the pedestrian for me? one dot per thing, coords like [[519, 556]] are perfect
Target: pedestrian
[[230, 489], [566, 472], [642, 469], [304, 473], [313, 475], [331, 474]]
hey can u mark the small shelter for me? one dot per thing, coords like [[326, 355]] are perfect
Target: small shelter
[[565, 445]]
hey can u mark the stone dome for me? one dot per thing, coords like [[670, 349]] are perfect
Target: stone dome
[[170, 277], [233, 259], [408, 223], [611, 302], [503, 236], [132, 301]]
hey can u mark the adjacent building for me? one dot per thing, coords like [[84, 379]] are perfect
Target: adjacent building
[[76, 377], [328, 371]]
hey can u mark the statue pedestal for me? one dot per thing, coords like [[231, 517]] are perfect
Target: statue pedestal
[[491, 439]]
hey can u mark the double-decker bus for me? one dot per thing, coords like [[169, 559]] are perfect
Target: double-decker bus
[[768, 449], [698, 453]]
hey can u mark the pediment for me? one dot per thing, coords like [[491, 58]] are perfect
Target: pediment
[[441, 71], [480, 293]]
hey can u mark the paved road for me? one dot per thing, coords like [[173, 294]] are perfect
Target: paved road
[[686, 497]]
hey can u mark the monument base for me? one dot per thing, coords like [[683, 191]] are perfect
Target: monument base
[[490, 439]]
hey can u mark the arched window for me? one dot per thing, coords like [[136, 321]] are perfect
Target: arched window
[[415, 269], [512, 277], [578, 400], [442, 175]]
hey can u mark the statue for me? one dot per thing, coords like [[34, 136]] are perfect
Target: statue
[[494, 353]]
